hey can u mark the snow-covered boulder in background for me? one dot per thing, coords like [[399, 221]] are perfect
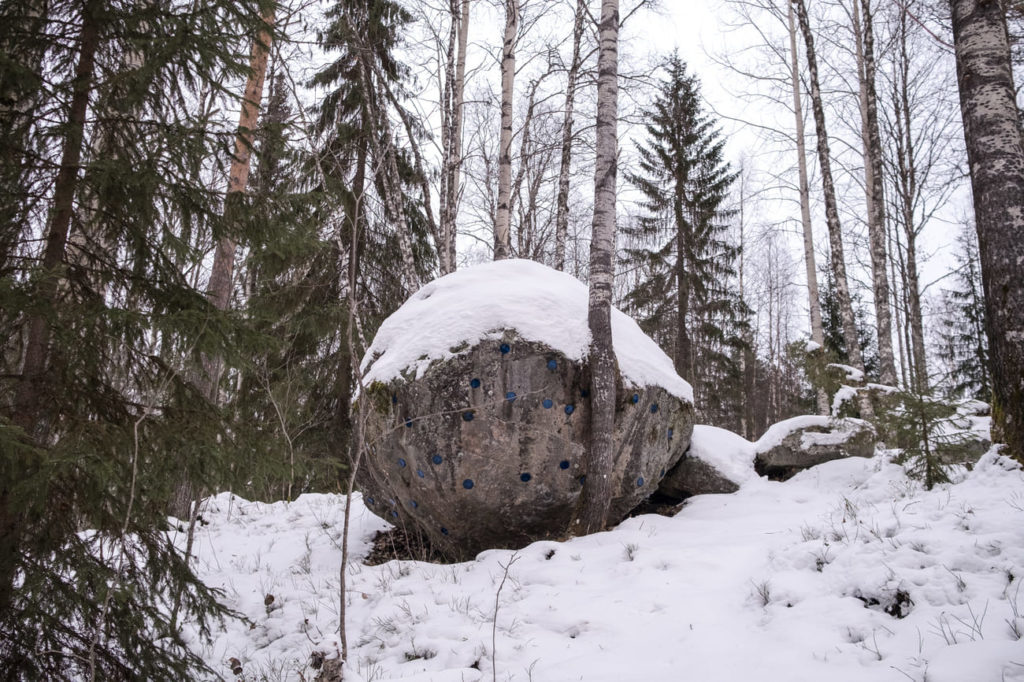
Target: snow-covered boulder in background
[[479, 409], [802, 442], [717, 461]]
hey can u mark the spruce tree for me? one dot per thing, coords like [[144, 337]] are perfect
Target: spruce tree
[[964, 346], [680, 248], [102, 324]]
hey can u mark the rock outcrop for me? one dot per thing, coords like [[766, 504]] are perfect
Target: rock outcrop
[[717, 461], [802, 442], [476, 437]]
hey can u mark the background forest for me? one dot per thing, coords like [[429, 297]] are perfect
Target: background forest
[[207, 209]]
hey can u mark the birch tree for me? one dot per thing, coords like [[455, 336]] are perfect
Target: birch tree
[[562, 207], [863, 26], [813, 303], [592, 510], [995, 153], [835, 231], [502, 222]]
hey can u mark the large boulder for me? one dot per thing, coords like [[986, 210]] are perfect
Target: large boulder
[[802, 442], [717, 461], [478, 409]]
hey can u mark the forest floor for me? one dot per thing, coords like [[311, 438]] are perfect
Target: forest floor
[[849, 571]]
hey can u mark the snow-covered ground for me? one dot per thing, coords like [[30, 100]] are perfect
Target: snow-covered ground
[[846, 572]]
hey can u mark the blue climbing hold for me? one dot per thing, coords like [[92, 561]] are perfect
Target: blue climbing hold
[[639, 482], [401, 463], [444, 531], [414, 504], [467, 416], [584, 393], [547, 403], [670, 432], [564, 464], [552, 365], [525, 477], [468, 484], [394, 513], [636, 398], [505, 348], [662, 472], [408, 423], [510, 396], [569, 409], [654, 407], [474, 383], [419, 472], [394, 399], [369, 500], [436, 459]]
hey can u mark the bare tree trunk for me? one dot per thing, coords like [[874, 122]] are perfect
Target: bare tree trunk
[[996, 155], [897, 319], [592, 509], [562, 202], [874, 187], [502, 223], [835, 231], [30, 398], [218, 290], [451, 133], [813, 302], [906, 190]]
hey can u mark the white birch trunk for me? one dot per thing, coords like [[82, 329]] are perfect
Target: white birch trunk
[[813, 302], [835, 231], [503, 215], [874, 186], [562, 202], [592, 510]]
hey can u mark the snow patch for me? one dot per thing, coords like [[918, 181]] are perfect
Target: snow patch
[[848, 572], [852, 373], [540, 304], [730, 454]]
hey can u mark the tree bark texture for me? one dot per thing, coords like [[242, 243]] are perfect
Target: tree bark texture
[[592, 511], [451, 132], [835, 232], [562, 201], [813, 302], [502, 222], [995, 153], [874, 188], [30, 398]]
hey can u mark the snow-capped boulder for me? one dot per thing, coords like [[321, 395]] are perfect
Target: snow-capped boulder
[[479, 409], [802, 442], [717, 461]]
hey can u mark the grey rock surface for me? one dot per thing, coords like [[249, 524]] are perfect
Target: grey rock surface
[[693, 476], [487, 448], [809, 446]]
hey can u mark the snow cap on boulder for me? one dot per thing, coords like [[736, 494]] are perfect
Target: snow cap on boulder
[[457, 311]]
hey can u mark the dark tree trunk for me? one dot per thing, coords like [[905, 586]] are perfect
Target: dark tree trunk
[[562, 201], [995, 153], [30, 400]]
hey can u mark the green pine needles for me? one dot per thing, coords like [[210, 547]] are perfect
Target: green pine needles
[[109, 147], [680, 254]]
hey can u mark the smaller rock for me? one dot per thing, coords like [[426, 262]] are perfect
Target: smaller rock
[[802, 442], [717, 461]]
